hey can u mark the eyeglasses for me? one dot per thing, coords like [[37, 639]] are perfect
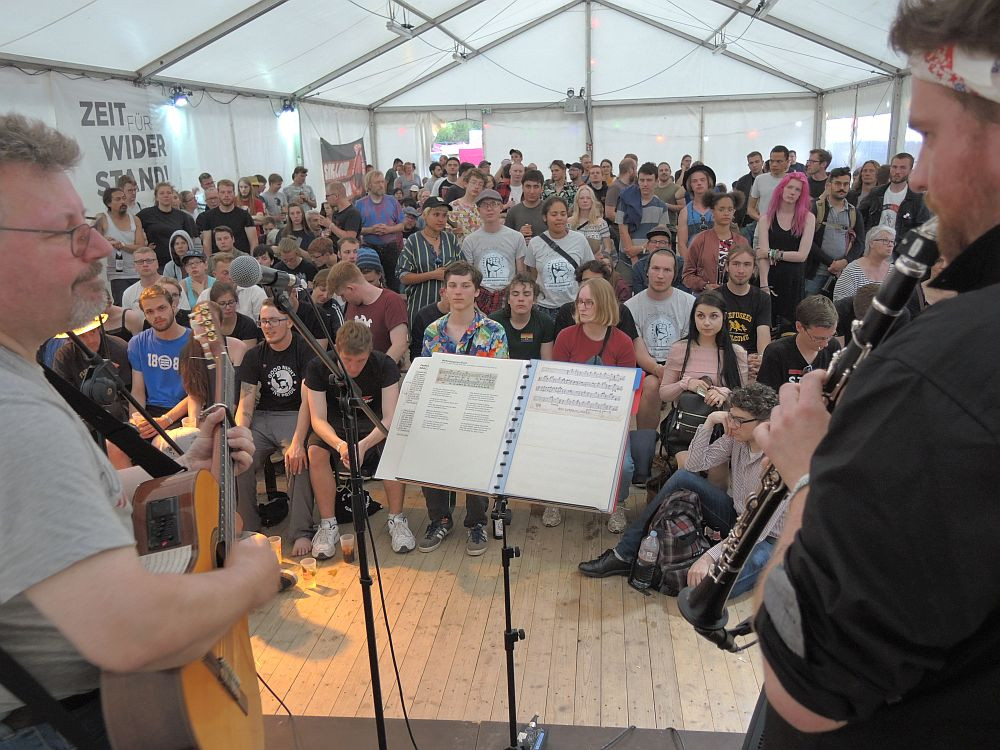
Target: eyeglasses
[[740, 421], [79, 236], [231, 303], [585, 303], [265, 322], [884, 240], [147, 262], [819, 339]]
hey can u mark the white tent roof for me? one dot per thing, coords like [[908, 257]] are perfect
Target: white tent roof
[[517, 51]]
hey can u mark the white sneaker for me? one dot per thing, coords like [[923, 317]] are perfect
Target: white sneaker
[[402, 538], [618, 522], [551, 517], [325, 540]]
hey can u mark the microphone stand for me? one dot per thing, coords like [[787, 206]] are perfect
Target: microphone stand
[[350, 403], [105, 369]]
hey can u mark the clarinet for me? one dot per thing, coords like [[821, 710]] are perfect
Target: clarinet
[[704, 605]]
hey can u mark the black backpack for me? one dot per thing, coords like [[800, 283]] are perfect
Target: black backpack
[[678, 524]]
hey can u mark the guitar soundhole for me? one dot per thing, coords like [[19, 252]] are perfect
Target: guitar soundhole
[[163, 523]]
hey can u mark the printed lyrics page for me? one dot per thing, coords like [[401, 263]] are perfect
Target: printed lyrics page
[[571, 438], [460, 421], [402, 420]]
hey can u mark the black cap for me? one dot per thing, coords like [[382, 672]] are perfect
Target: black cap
[[435, 202], [707, 171]]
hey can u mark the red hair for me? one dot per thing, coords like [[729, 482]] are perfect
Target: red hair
[[802, 205]]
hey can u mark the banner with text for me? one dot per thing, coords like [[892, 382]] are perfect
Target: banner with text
[[345, 163], [121, 129]]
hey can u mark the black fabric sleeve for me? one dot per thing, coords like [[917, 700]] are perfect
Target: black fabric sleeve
[[771, 371], [249, 369], [626, 324], [316, 375], [890, 532]]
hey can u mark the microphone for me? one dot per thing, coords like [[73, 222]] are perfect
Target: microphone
[[245, 272]]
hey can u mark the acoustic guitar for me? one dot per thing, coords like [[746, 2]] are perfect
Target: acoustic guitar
[[186, 523]]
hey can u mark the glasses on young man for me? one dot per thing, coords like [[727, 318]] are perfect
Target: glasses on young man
[[740, 421], [79, 236], [818, 339], [269, 322]]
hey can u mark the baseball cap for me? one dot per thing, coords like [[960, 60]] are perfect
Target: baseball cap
[[435, 202], [488, 195], [191, 254]]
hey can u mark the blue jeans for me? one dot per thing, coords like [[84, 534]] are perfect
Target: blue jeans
[[716, 507], [44, 737], [759, 556], [628, 470]]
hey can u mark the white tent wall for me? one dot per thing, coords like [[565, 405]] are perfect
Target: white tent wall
[[735, 128], [541, 135], [655, 132], [857, 122]]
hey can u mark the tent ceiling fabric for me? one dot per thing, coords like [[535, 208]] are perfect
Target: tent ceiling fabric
[[639, 48]]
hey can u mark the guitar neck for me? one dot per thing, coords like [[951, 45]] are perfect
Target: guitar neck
[[225, 390]]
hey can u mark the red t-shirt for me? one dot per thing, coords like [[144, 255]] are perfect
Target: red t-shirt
[[573, 345], [382, 315]]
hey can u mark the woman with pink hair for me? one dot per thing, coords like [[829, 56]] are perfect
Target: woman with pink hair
[[786, 238]]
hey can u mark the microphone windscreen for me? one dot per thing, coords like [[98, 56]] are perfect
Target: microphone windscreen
[[245, 271]]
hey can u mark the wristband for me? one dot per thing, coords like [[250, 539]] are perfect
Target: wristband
[[799, 486]]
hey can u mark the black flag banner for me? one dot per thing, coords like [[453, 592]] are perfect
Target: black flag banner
[[345, 163]]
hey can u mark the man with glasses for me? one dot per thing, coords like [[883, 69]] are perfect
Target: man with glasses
[[748, 407], [816, 166], [493, 249], [811, 348], [147, 266], [346, 220], [274, 369]]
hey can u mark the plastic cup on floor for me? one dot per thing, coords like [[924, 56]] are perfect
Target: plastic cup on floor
[[308, 565], [275, 542], [347, 547]]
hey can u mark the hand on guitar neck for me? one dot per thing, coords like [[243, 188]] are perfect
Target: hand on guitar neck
[[199, 455]]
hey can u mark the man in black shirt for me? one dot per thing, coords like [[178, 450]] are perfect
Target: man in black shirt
[[811, 348], [748, 308], [424, 317], [228, 214], [275, 369], [878, 622], [377, 377], [346, 219], [530, 332]]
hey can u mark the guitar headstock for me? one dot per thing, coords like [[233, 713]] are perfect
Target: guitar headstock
[[205, 328]]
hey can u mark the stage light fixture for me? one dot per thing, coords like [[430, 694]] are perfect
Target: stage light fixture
[[404, 30], [179, 97]]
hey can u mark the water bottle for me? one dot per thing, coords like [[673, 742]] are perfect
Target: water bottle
[[642, 576]]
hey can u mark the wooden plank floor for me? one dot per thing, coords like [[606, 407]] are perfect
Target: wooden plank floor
[[597, 652]]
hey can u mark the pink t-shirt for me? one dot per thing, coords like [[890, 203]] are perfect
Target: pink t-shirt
[[703, 361]]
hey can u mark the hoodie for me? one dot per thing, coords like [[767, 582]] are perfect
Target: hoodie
[[174, 267]]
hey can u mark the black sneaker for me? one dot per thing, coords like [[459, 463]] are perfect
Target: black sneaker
[[606, 565], [435, 534]]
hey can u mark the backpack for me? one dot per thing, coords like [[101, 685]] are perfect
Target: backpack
[[678, 524]]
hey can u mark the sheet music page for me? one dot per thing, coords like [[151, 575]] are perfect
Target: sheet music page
[[569, 446], [460, 421], [402, 419]]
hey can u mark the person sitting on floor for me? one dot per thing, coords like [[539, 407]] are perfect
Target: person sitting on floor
[[811, 348], [749, 405]]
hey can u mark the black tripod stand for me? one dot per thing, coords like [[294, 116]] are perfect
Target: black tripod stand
[[501, 514], [350, 402]]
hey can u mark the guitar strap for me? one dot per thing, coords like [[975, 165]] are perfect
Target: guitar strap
[[123, 435], [26, 688]]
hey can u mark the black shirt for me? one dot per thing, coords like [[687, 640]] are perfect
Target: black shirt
[[379, 372], [305, 268], [311, 320], [445, 186], [454, 193], [816, 188], [424, 317], [245, 328], [71, 365], [745, 314], [783, 362], [349, 220], [626, 323], [526, 343], [279, 374], [894, 571], [159, 225], [237, 220]]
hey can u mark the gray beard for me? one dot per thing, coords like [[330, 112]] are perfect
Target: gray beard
[[84, 309]]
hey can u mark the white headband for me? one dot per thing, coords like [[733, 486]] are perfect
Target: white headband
[[959, 69]]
